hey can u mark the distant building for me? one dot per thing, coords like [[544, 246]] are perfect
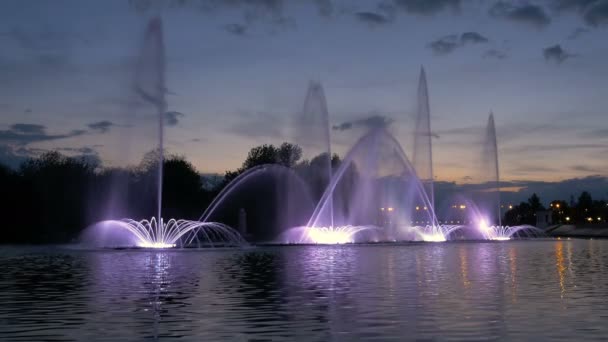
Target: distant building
[[544, 218]]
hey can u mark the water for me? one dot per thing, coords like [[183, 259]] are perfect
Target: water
[[524, 290]]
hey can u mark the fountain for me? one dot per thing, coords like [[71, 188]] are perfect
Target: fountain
[[150, 87], [375, 195], [312, 134], [422, 157]]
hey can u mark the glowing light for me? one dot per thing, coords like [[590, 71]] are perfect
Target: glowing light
[[599, 218], [437, 237], [462, 206], [557, 205], [156, 245], [382, 209], [390, 209], [483, 225], [417, 208], [510, 206], [332, 235], [589, 219], [425, 208], [568, 218], [500, 238]]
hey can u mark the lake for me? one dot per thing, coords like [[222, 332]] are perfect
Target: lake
[[517, 290]]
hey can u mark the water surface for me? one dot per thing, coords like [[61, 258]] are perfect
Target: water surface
[[525, 290]]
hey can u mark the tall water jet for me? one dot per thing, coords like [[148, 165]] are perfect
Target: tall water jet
[[422, 157], [150, 86], [491, 170], [312, 134]]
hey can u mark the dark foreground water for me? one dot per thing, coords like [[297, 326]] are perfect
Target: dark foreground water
[[526, 290]]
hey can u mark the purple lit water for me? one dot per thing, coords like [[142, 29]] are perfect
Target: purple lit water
[[520, 290]]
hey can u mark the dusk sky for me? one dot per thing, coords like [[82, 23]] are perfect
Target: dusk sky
[[237, 73]]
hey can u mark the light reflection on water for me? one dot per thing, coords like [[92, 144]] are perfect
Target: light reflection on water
[[524, 290]]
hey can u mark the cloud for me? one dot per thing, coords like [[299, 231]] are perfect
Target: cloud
[[101, 126], [23, 134], [593, 12], [548, 191], [494, 53], [374, 121], [555, 54], [579, 31], [28, 128], [449, 43], [427, 7], [270, 12], [236, 29], [473, 38], [372, 19], [586, 169], [445, 45], [172, 118], [528, 14]]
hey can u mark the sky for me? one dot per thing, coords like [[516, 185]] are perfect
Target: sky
[[237, 73]]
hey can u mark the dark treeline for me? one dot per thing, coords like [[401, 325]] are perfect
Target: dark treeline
[[52, 198], [582, 211]]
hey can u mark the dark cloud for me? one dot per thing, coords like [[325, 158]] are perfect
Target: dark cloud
[[494, 53], [555, 54], [445, 45], [372, 19], [586, 169], [449, 43], [472, 37], [427, 7], [28, 128], [236, 29], [593, 12], [528, 14], [579, 31], [598, 133], [270, 12], [172, 118], [21, 134], [548, 191], [101, 126], [374, 121]]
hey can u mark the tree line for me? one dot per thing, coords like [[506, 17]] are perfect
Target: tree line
[[52, 198], [582, 211]]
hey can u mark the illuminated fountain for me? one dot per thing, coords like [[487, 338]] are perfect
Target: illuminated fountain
[[150, 89], [377, 174], [150, 234]]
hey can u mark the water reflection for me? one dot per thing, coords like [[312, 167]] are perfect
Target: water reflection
[[525, 290], [561, 268]]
